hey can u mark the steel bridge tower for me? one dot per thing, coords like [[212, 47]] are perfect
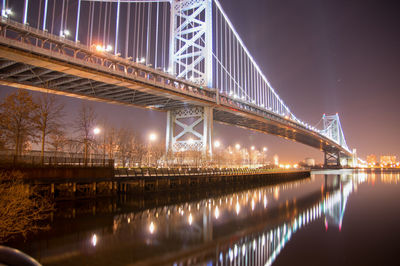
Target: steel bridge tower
[[190, 57]]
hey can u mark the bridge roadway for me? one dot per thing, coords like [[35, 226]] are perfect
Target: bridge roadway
[[36, 60]]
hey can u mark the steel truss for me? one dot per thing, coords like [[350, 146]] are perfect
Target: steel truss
[[191, 40], [188, 138]]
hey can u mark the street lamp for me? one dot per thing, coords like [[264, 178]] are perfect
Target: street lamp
[[217, 144], [237, 146], [96, 130], [152, 138]]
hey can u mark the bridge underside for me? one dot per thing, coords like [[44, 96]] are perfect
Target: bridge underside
[[30, 68], [22, 75], [26, 76]]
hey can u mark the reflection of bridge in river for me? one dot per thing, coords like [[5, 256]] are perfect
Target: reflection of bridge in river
[[246, 227], [261, 247]]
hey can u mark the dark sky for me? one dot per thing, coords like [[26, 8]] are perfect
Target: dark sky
[[321, 56]]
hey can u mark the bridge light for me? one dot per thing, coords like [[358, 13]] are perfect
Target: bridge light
[[99, 48], [142, 60], [6, 12], [109, 48]]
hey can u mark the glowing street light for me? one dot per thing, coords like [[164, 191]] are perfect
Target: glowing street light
[[217, 144], [152, 228], [252, 148], [96, 130], [152, 137], [237, 146], [94, 240], [265, 149]]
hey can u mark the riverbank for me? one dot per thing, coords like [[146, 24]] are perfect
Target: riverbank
[[66, 183]]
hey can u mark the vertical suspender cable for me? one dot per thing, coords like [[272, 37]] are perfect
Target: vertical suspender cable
[[62, 18], [77, 20], [117, 28], [221, 52], [135, 29], [138, 31], [230, 57], [91, 23], [142, 30], [128, 22], [45, 14], [148, 34], [99, 22], [88, 25], [216, 49], [66, 16], [105, 24], [25, 11], [155, 58], [237, 64], [164, 35], [52, 16], [109, 24], [39, 13]]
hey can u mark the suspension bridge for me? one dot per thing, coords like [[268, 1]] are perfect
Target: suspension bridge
[[183, 57]]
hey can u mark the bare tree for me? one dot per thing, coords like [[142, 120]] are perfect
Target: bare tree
[[22, 210], [17, 120], [49, 116], [84, 123], [125, 143], [110, 143], [57, 142]]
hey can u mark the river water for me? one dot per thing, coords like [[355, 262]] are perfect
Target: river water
[[332, 218]]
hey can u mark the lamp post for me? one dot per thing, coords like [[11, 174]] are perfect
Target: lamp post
[[217, 144], [252, 148], [96, 131], [265, 149], [152, 138]]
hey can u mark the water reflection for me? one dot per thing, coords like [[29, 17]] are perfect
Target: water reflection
[[250, 227]]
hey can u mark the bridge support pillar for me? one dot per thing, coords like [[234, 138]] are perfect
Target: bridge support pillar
[[332, 159], [186, 136]]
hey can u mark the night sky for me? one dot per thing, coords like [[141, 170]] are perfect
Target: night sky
[[321, 57]]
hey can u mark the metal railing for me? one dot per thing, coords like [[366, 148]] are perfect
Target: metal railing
[[32, 160], [170, 172]]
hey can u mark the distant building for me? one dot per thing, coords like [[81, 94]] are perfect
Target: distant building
[[388, 159], [371, 159], [309, 161]]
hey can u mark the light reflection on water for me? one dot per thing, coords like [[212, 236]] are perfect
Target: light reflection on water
[[250, 227]]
